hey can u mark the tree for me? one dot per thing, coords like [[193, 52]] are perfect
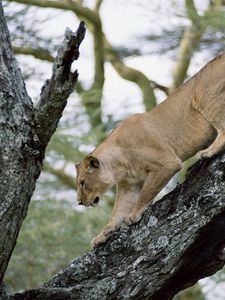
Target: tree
[[120, 65], [26, 130]]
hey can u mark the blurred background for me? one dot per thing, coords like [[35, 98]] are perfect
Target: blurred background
[[134, 55]]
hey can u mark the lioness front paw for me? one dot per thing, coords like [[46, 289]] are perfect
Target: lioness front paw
[[98, 240], [104, 235], [132, 219], [203, 154]]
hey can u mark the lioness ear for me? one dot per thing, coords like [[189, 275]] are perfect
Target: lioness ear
[[93, 163], [77, 165]]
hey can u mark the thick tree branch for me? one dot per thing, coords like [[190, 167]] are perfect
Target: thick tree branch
[[55, 92], [179, 240]]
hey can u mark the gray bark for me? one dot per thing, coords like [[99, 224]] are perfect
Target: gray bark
[[25, 131], [179, 240]]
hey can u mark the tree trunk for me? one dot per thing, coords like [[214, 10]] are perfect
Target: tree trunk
[[25, 131], [19, 154]]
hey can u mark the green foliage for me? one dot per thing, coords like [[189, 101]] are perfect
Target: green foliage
[[61, 141], [53, 234]]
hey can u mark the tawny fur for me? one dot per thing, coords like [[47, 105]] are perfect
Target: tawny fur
[[142, 154]]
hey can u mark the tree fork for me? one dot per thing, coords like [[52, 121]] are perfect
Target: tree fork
[[25, 130]]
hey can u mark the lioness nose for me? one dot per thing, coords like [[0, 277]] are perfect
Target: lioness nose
[[80, 203]]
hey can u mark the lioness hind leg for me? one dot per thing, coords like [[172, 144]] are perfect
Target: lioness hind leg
[[213, 109], [217, 146]]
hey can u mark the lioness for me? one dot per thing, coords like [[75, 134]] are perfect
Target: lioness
[[142, 154]]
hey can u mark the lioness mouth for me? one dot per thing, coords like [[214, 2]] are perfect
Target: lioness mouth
[[96, 200]]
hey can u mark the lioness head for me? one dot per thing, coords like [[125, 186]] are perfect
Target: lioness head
[[91, 181]]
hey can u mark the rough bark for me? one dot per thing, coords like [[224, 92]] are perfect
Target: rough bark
[[19, 152], [25, 131], [179, 240]]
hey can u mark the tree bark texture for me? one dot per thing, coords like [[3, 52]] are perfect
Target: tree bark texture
[[180, 239], [25, 130]]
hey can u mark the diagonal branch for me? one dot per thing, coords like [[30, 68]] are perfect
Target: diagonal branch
[[55, 92], [179, 240]]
